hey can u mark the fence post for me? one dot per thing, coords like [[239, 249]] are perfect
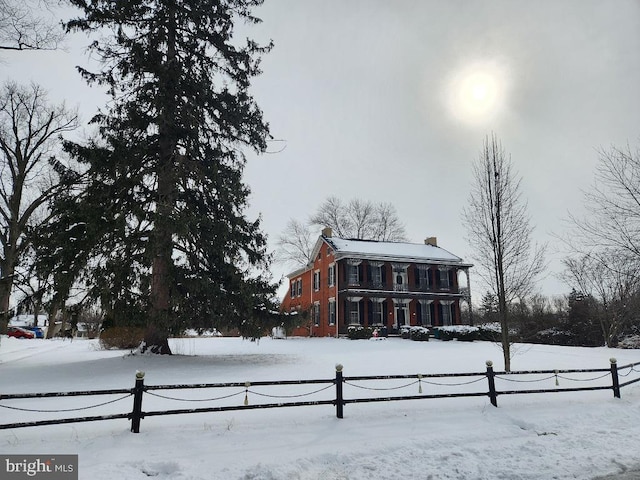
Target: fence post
[[136, 414], [614, 377], [492, 384], [339, 398]]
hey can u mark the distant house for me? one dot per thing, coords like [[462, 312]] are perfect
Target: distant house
[[378, 284], [29, 320]]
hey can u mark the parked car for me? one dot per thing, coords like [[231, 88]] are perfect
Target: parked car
[[39, 333], [19, 332]]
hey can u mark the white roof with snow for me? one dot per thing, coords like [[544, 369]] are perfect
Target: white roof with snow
[[399, 251]]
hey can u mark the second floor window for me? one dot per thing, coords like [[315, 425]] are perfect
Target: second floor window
[[443, 274], [331, 276], [353, 274], [423, 276], [316, 280], [376, 274]]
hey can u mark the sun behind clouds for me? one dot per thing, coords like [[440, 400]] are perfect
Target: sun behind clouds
[[476, 93]]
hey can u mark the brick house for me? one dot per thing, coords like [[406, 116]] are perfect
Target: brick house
[[370, 283]]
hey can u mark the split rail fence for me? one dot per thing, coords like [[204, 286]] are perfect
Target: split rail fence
[[360, 389]]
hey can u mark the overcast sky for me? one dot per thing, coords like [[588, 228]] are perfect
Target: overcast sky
[[390, 101]]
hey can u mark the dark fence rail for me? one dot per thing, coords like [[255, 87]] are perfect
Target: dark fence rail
[[476, 384]]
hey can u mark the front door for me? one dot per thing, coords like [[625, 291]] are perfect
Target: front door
[[402, 315]]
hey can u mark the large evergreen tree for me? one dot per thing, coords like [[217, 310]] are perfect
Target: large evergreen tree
[[160, 200]]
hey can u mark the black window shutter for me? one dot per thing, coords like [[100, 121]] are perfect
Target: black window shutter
[[419, 313], [384, 313], [451, 274], [369, 312], [361, 309]]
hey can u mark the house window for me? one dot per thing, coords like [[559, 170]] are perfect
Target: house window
[[425, 312], [331, 275], [353, 274], [446, 313], [292, 289], [444, 278], [316, 280], [377, 317], [316, 314], [375, 274], [400, 277], [352, 271], [354, 312], [299, 282], [332, 312], [423, 277]]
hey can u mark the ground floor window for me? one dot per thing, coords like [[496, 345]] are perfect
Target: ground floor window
[[447, 317], [377, 313], [354, 313], [424, 313], [332, 312]]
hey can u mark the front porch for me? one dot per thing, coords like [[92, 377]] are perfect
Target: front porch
[[393, 312]]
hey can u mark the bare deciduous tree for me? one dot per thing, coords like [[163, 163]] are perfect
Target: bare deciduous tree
[[361, 219], [499, 231], [613, 205], [28, 25], [614, 281], [604, 244], [29, 136], [295, 244]]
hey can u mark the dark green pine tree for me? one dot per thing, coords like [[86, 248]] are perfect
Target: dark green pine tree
[[582, 323], [162, 196]]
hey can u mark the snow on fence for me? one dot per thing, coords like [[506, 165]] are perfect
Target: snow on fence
[[263, 394]]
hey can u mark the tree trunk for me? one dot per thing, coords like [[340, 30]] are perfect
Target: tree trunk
[[158, 329], [5, 292]]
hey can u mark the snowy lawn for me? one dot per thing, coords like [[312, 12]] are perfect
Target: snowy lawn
[[579, 435]]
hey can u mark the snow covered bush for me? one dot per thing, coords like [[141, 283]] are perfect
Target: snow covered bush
[[359, 333], [632, 341], [415, 332], [463, 333], [419, 334]]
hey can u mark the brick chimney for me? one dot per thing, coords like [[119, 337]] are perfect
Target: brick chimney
[[433, 241], [327, 232]]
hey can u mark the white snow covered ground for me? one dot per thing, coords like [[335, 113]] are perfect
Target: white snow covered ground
[[578, 435]]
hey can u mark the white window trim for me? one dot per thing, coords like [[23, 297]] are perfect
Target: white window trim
[[332, 276], [332, 300]]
